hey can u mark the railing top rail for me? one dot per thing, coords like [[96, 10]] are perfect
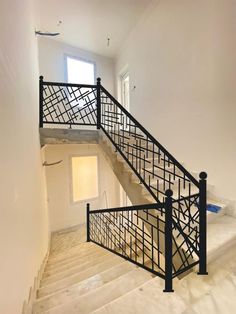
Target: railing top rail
[[172, 158], [68, 84], [128, 208]]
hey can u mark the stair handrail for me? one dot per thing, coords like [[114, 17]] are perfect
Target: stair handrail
[[170, 156]]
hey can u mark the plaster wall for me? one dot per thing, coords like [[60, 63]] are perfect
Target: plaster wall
[[181, 59], [24, 233], [52, 62], [63, 211]]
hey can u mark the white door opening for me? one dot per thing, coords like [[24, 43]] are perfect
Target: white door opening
[[125, 101]]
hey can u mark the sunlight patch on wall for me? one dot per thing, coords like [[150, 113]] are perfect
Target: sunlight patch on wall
[[84, 177]]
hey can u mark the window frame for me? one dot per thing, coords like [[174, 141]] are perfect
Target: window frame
[[78, 58], [71, 179]]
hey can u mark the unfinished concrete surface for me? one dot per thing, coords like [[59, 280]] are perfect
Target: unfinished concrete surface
[[68, 136]]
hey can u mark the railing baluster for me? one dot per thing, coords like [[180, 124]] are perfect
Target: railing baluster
[[202, 225], [98, 103], [88, 222], [168, 242], [143, 238], [41, 101]]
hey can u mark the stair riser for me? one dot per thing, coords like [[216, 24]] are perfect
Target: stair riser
[[109, 292], [75, 270], [77, 278], [82, 288], [69, 257]]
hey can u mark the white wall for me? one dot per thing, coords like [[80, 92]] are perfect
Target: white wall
[[63, 212], [181, 58], [52, 62], [23, 213]]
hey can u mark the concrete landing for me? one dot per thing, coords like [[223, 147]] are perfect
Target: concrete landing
[[69, 136]]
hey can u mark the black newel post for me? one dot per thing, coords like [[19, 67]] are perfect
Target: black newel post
[[168, 241], [98, 103], [41, 101], [88, 226], [202, 224]]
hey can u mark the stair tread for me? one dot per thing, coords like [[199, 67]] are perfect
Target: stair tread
[[102, 295], [70, 262], [220, 233], [221, 298], [70, 270], [148, 298], [75, 278], [75, 254], [73, 291], [77, 269]]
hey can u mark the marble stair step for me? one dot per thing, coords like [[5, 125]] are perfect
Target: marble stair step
[[67, 239], [73, 279], [153, 181], [68, 262], [211, 216], [220, 299], [82, 247], [193, 287], [70, 270], [148, 170], [77, 260], [148, 159], [60, 249], [75, 270], [148, 298], [108, 292], [161, 187], [85, 286], [90, 252], [221, 235], [183, 193]]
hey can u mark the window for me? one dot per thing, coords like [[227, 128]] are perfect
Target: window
[[80, 71], [84, 178]]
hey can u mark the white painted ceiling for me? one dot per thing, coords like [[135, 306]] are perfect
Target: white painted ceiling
[[87, 24]]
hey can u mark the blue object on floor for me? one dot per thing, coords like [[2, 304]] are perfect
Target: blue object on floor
[[213, 208]]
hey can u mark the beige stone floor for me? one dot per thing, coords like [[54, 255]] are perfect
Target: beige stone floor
[[66, 239]]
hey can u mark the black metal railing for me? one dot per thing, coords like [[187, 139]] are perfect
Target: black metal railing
[[68, 104], [155, 168]]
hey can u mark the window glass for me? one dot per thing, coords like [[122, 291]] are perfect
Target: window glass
[[79, 71]]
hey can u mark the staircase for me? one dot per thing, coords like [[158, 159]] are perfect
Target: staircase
[[218, 240], [162, 234], [81, 277]]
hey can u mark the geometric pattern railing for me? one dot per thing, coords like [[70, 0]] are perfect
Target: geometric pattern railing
[[186, 232], [179, 212], [151, 235], [123, 231], [70, 104], [156, 169], [136, 233]]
